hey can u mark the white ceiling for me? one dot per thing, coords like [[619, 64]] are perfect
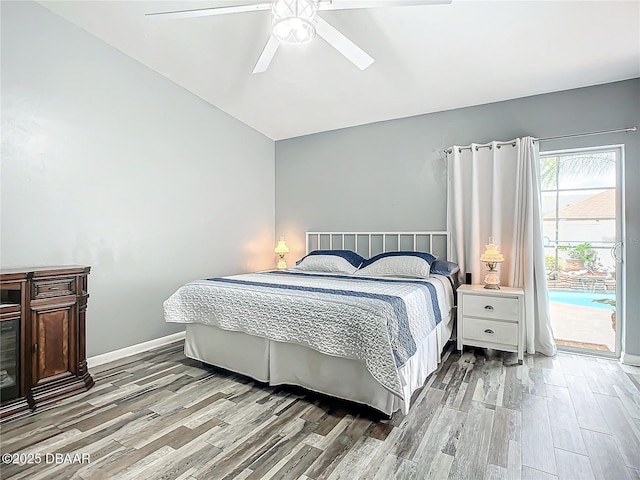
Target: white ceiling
[[427, 59]]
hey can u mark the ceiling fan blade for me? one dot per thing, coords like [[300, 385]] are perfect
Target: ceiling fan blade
[[267, 55], [341, 43], [354, 4], [206, 12]]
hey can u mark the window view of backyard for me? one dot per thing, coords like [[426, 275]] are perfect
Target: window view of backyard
[[579, 228]]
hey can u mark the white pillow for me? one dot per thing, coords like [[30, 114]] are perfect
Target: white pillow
[[325, 264], [397, 266]]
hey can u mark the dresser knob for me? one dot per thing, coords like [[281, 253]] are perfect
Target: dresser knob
[[489, 331], [488, 307]]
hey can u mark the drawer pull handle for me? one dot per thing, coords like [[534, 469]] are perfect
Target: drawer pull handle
[[489, 331], [488, 307]]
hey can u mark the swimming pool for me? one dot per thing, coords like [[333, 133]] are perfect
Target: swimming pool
[[584, 299]]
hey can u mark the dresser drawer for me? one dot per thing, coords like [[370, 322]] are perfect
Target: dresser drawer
[[490, 331], [53, 288], [484, 306]]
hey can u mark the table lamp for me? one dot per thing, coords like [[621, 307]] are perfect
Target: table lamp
[[281, 249], [492, 257]]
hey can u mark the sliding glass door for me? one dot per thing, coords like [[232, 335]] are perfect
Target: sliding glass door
[[582, 227]]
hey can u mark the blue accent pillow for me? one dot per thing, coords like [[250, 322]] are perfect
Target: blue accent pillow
[[424, 255], [443, 267], [350, 256]]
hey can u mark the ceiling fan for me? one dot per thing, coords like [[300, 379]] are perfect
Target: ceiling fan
[[297, 22]]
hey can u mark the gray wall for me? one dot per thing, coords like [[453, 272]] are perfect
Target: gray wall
[[106, 163], [392, 175]]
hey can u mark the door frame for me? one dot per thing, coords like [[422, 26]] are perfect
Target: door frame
[[621, 272]]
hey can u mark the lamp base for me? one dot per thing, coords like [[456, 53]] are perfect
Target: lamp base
[[492, 280], [282, 264]]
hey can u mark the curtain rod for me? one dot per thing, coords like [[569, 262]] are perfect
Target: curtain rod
[[575, 135], [588, 134]]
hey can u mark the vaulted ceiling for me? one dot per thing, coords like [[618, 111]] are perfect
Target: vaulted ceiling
[[427, 58]]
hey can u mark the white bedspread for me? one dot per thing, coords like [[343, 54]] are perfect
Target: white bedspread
[[376, 321]]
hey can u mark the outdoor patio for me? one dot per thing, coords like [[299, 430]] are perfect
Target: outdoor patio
[[584, 327]]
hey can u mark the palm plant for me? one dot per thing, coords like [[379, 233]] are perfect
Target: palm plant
[[575, 165], [607, 301]]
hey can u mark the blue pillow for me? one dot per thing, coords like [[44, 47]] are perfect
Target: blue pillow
[[442, 267], [350, 256], [403, 253]]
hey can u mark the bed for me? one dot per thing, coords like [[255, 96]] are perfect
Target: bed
[[354, 331]]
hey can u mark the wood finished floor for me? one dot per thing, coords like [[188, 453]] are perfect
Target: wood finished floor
[[159, 415]]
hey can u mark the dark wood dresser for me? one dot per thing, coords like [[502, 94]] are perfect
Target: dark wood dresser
[[42, 337]]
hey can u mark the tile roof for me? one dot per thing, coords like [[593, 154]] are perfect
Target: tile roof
[[599, 206]]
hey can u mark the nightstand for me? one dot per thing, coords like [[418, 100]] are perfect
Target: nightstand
[[491, 318]]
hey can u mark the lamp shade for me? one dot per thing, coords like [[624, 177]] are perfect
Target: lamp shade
[[281, 247], [491, 254]]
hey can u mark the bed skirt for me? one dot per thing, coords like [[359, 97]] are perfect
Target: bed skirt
[[278, 363]]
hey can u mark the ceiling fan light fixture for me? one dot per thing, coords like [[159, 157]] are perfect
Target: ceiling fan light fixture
[[293, 21]]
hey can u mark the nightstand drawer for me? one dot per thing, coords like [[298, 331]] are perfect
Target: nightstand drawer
[[490, 331], [490, 307]]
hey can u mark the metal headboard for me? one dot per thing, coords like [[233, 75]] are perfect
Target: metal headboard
[[369, 244]]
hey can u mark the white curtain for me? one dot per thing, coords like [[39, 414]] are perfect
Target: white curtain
[[494, 190]]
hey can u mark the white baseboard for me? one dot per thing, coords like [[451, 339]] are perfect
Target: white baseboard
[[628, 359], [133, 349]]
